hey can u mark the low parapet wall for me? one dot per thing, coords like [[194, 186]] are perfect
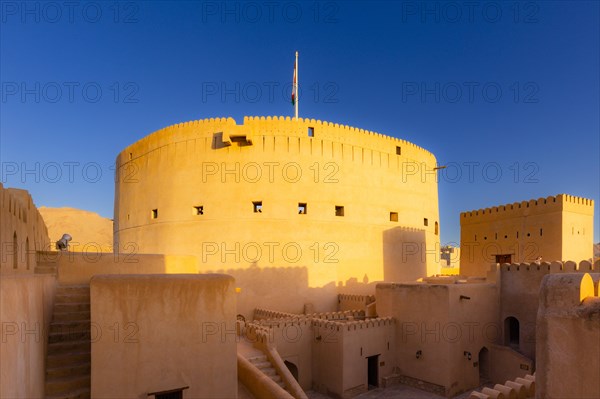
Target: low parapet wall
[[80, 267], [584, 266], [350, 302]]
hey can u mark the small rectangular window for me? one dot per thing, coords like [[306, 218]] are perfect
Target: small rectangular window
[[130, 156], [540, 232], [311, 132], [257, 206], [154, 213], [198, 210], [425, 222], [302, 208], [393, 216], [339, 210], [398, 150]]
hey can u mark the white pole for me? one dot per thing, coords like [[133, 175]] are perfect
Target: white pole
[[297, 91]]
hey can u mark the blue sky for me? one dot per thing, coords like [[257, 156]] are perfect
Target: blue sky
[[505, 93]]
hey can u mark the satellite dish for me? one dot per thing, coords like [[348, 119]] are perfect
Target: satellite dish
[[63, 243]]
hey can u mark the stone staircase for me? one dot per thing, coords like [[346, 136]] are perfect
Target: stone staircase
[[68, 360], [265, 366], [520, 388], [46, 263]]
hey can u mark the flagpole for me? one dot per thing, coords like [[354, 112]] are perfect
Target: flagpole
[[297, 92]]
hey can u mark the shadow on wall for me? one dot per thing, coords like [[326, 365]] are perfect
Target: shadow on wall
[[285, 289], [404, 257]]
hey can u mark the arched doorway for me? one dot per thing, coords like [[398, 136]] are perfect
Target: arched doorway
[[484, 366], [293, 369], [511, 332]]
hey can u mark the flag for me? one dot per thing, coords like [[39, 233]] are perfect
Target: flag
[[294, 88]]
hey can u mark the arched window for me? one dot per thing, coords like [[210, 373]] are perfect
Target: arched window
[[511, 331], [15, 251], [437, 228], [27, 253]]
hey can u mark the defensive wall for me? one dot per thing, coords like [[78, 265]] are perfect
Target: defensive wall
[[281, 193], [519, 285], [555, 227]]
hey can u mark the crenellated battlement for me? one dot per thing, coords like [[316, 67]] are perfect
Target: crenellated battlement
[[585, 266], [261, 314], [354, 325], [550, 203], [267, 317], [276, 126]]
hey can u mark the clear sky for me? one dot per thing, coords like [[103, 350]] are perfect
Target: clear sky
[[505, 93]]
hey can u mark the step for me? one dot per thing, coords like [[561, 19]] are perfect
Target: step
[[71, 307], [71, 316], [69, 370], [262, 358], [47, 262], [45, 270], [57, 348], [269, 371], [73, 288], [63, 359], [262, 365], [67, 385], [68, 327], [70, 337], [83, 393]]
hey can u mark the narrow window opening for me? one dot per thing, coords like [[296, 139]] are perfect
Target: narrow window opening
[[398, 150], [505, 236], [311, 132], [27, 253], [130, 156], [128, 217], [199, 210], [437, 228], [302, 208], [339, 210], [485, 237], [475, 237], [517, 234], [257, 206], [528, 234], [495, 236], [425, 222], [15, 251], [540, 232], [154, 213], [393, 216]]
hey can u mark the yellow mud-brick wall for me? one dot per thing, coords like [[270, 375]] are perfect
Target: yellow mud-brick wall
[[191, 188], [525, 231], [22, 231], [578, 228]]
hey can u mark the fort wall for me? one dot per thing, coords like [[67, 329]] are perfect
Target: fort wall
[[519, 299], [25, 313], [555, 227], [147, 341], [568, 337], [280, 193], [22, 231]]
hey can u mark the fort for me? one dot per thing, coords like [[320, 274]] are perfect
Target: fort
[[284, 258]]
